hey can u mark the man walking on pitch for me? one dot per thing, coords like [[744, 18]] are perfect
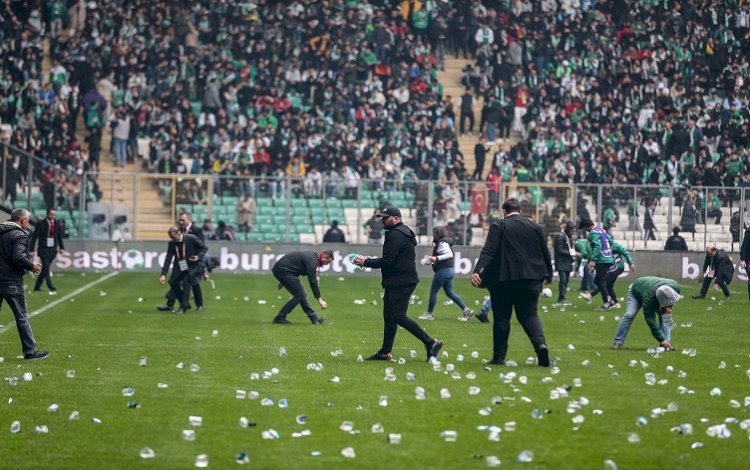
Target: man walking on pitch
[[48, 235], [512, 265], [13, 265], [656, 295], [287, 271], [398, 266], [187, 251]]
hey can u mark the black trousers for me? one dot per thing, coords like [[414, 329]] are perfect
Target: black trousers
[[15, 296], [477, 175], [721, 282], [523, 296], [395, 305], [470, 117], [611, 279], [180, 283], [44, 275], [600, 280], [299, 296], [197, 294], [563, 286]]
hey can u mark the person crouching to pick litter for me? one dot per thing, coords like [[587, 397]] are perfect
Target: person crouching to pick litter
[[287, 271], [657, 296]]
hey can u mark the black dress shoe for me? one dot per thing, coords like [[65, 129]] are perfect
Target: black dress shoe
[[380, 356], [482, 317], [497, 361], [316, 320], [36, 355], [434, 348], [281, 321], [543, 357], [164, 308]]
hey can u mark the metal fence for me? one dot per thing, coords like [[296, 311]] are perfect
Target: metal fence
[[141, 206]]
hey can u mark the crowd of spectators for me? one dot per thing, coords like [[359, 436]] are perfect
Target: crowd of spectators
[[621, 92], [38, 113]]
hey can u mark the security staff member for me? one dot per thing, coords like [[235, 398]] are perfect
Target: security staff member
[[48, 235], [186, 250], [398, 267], [512, 265], [186, 225], [13, 265]]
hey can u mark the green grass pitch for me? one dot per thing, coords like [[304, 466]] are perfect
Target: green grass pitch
[[576, 415]]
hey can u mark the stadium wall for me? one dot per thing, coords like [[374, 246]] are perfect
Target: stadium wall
[[249, 258]]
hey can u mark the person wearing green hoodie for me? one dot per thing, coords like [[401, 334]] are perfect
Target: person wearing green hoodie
[[621, 256], [657, 296], [601, 259]]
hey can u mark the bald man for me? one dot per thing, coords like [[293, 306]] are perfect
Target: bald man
[[717, 267]]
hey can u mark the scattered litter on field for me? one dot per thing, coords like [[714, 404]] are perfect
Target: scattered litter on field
[[147, 453]]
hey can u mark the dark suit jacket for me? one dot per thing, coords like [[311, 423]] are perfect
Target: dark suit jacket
[[41, 233], [721, 264], [193, 246], [197, 231], [516, 249]]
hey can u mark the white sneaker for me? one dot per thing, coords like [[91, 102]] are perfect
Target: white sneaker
[[426, 316], [53, 292], [615, 305], [468, 313], [585, 296]]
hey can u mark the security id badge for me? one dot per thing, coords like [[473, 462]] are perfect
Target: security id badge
[[50, 242], [183, 265]]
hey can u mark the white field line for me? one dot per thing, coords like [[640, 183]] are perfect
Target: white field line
[[57, 302]]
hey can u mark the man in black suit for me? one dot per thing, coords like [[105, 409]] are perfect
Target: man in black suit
[[186, 225], [49, 236], [186, 250], [512, 265], [745, 256]]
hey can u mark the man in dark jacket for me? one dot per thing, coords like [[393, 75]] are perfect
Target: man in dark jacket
[[48, 235], [564, 251], [287, 271], [676, 242], [334, 234], [13, 265], [512, 265], [187, 251], [718, 267], [745, 255], [186, 225], [398, 266]]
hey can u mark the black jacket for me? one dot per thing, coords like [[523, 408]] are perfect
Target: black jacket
[[299, 263], [745, 248], [721, 264], [39, 239], [516, 249], [14, 259], [563, 259], [189, 246], [195, 230], [334, 235], [398, 264], [675, 243]]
